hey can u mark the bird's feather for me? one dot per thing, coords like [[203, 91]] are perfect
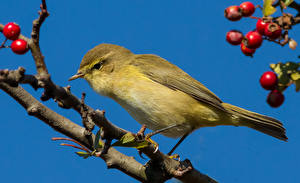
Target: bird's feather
[[167, 74]]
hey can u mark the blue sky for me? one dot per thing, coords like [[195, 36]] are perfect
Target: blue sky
[[190, 34]]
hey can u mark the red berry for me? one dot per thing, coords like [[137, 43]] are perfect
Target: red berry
[[247, 51], [253, 39], [248, 9], [19, 46], [261, 26], [273, 31], [11, 31], [234, 37], [233, 13], [275, 98], [268, 80]]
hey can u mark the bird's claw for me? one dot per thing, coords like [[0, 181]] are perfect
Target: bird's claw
[[175, 157], [142, 137], [148, 139]]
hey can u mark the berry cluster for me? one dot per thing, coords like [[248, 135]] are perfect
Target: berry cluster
[[235, 13], [269, 81], [12, 31], [265, 29]]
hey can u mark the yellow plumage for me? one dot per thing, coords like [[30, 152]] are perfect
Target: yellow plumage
[[159, 94]]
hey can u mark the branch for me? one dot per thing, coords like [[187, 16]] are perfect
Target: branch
[[159, 169], [63, 125], [35, 37], [290, 20], [18, 76], [295, 6], [113, 158]]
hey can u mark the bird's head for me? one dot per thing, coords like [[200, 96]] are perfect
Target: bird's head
[[101, 61], [99, 65]]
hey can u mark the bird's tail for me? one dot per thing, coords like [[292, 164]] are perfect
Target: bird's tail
[[258, 122]]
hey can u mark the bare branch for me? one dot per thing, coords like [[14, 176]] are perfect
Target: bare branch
[[114, 159], [34, 42], [295, 6], [159, 169], [72, 130], [294, 19], [14, 77]]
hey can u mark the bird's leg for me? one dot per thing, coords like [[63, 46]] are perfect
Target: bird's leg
[[178, 143], [161, 130], [140, 135], [157, 132]]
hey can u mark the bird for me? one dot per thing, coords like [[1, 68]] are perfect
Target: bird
[[160, 95]]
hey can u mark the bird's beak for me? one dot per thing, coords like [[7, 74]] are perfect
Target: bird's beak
[[78, 75]]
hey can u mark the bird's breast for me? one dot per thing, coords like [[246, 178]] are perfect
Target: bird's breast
[[158, 106]]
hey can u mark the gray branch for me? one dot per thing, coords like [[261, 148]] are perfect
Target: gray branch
[[159, 169], [113, 158]]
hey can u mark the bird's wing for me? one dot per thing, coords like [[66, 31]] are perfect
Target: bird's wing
[[165, 73]]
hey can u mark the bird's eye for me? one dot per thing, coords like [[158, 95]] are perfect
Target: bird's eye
[[98, 65]]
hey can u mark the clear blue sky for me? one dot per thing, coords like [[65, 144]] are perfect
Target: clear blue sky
[[190, 34]]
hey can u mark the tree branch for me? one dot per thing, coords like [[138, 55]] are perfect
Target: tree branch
[[153, 172], [63, 125], [159, 169], [295, 6], [35, 37]]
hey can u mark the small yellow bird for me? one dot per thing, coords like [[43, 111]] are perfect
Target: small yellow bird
[[159, 94]]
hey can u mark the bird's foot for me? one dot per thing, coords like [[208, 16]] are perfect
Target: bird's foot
[[142, 137], [175, 157], [185, 167], [149, 135]]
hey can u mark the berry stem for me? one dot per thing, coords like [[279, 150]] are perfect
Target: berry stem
[[259, 6], [253, 17], [281, 43], [3, 44]]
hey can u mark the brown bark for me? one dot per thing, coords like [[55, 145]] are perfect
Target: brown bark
[[159, 169]]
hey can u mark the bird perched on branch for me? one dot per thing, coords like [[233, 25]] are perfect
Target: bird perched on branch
[[161, 95]]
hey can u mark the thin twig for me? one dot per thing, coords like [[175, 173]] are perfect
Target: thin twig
[[72, 140], [3, 44], [44, 5], [295, 6], [71, 145], [34, 42]]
